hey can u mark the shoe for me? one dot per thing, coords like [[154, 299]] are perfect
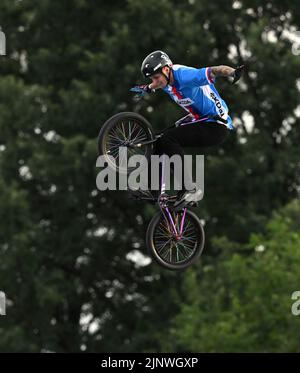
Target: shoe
[[193, 195], [188, 197]]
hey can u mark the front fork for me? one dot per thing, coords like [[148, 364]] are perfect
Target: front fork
[[171, 223]]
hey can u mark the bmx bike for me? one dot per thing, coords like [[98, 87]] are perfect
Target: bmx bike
[[175, 236]]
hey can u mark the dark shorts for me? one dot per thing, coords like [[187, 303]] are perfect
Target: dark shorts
[[198, 135], [194, 135]]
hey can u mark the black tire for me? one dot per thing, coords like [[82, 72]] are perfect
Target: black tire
[[143, 130], [157, 219]]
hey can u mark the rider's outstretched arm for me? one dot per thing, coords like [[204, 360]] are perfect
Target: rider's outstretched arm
[[222, 70], [227, 71]]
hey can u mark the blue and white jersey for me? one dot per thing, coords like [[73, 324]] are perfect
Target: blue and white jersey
[[195, 92]]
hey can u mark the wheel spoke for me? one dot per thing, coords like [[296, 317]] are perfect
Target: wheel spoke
[[118, 132], [164, 245], [124, 133], [140, 131], [167, 248], [129, 129]]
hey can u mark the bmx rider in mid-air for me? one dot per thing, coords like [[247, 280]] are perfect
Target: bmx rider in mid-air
[[207, 124]]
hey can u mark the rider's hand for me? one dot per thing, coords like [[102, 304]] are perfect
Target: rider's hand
[[141, 91], [238, 73]]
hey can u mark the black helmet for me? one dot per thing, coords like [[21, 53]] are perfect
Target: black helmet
[[154, 63]]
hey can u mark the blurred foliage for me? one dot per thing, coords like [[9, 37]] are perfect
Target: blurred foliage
[[243, 302]]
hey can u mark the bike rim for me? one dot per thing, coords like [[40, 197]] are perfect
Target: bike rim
[[123, 134], [170, 249]]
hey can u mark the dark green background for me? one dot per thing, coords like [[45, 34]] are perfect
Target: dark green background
[[64, 265]]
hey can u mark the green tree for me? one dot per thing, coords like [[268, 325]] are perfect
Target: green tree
[[243, 302], [70, 283]]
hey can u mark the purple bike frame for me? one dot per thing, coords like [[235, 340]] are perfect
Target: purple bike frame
[[173, 225]]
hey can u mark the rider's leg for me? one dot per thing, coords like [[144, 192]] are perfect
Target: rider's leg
[[198, 134], [192, 135]]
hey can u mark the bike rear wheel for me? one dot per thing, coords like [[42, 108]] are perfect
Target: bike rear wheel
[[129, 131], [170, 251]]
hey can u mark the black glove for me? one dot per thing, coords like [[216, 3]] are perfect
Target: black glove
[[238, 73]]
